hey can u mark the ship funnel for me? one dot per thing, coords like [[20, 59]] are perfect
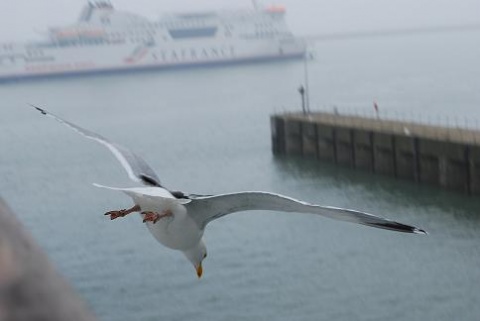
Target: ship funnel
[[102, 4], [89, 9]]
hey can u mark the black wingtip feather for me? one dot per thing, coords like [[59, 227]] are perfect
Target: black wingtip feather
[[420, 231], [39, 109], [399, 227], [149, 181], [178, 194]]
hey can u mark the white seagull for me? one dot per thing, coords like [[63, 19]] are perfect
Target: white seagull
[[178, 220]]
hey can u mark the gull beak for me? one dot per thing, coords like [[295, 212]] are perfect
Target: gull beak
[[199, 270]]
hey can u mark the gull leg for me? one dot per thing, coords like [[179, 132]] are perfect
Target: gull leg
[[154, 217], [122, 213]]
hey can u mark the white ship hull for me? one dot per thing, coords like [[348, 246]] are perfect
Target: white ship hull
[[53, 59]]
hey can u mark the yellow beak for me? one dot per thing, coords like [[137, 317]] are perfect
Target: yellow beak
[[199, 270]]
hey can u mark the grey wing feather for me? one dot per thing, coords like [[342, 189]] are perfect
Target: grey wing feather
[[137, 169], [207, 209]]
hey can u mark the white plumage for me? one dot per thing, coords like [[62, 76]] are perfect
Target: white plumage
[[178, 220]]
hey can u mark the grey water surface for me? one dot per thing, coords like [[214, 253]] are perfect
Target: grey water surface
[[207, 131]]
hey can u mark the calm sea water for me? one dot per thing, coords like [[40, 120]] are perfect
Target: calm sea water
[[207, 131]]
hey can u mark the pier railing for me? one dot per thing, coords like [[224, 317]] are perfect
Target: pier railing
[[435, 125]]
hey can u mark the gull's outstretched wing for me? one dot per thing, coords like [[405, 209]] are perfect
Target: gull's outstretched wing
[[206, 209], [137, 169]]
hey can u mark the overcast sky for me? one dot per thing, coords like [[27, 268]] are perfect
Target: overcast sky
[[26, 19]]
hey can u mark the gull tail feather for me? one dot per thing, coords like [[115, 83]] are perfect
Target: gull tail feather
[[129, 191], [143, 192], [109, 187]]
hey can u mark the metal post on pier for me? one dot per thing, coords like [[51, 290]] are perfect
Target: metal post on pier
[[301, 90], [307, 89]]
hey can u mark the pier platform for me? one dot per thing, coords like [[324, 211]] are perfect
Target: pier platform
[[443, 156]]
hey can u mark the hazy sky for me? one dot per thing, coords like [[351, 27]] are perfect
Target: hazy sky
[[26, 19]]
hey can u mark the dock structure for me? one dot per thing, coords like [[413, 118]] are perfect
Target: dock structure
[[446, 157]]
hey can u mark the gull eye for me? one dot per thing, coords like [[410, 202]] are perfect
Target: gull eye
[[204, 255]]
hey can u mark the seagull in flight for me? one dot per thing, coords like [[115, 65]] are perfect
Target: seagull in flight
[[178, 220]]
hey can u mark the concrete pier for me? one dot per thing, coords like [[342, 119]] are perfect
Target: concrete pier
[[447, 157]]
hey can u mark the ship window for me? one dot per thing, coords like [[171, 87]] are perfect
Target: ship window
[[192, 32]]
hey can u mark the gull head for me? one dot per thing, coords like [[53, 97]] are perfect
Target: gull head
[[196, 255]]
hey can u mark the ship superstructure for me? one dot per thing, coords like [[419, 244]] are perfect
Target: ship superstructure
[[104, 39]]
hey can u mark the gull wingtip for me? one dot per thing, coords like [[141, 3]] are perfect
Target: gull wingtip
[[38, 108], [420, 231]]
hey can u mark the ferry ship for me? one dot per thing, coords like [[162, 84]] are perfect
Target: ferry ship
[[106, 40]]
